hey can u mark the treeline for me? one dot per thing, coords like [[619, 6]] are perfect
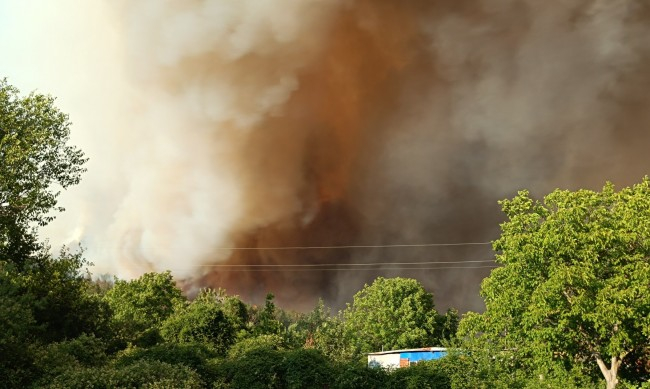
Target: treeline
[[568, 307], [65, 330], [62, 329]]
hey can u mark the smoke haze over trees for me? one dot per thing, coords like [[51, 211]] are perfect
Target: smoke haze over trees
[[572, 293], [245, 124]]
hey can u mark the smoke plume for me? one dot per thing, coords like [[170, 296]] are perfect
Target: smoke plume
[[261, 124]]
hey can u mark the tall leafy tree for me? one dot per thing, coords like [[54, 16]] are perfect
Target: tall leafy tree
[[63, 306], [303, 331], [18, 326], [44, 299], [265, 321], [574, 288], [36, 162], [140, 306], [202, 320], [391, 313]]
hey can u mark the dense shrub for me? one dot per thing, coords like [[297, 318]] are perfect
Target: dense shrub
[[260, 368], [424, 375], [244, 346], [193, 355], [307, 369], [358, 376], [141, 374], [202, 320]]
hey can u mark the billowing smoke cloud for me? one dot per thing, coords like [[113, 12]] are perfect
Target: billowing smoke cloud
[[353, 122]]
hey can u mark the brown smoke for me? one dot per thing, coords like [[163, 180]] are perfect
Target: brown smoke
[[365, 122]]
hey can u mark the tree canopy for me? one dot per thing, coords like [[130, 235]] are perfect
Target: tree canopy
[[574, 288], [202, 320], [391, 313], [140, 306], [36, 162]]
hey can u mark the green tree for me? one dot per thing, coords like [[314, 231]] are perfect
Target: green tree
[[332, 339], [46, 302], [141, 374], [140, 306], [246, 345], [447, 325], [35, 163], [63, 305], [197, 356], [302, 331], [391, 313], [202, 320], [267, 367], [18, 325], [265, 320], [235, 310], [572, 292], [424, 375]]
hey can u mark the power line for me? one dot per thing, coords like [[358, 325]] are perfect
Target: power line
[[357, 269], [355, 246], [322, 247], [345, 264]]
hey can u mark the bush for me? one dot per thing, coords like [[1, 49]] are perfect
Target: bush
[[143, 373], [193, 355], [58, 358], [269, 342], [358, 376], [265, 367], [307, 369], [260, 368], [202, 320], [424, 375]]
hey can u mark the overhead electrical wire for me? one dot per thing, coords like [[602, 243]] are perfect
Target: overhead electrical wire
[[370, 246], [345, 264], [355, 246], [370, 266], [358, 269]]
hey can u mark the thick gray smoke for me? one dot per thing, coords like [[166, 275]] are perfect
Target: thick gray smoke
[[297, 123]]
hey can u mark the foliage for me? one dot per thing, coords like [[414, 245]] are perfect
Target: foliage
[[47, 302], [357, 375], [62, 305], [424, 375], [58, 358], [480, 369], [332, 339], [307, 369], [18, 328], [86, 349], [302, 332], [261, 368], [573, 289], [202, 320], [140, 306], [246, 345], [196, 356], [447, 325], [264, 321], [141, 374], [269, 368], [34, 158], [234, 309], [391, 314]]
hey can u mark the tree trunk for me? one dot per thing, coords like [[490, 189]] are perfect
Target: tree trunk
[[610, 374]]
